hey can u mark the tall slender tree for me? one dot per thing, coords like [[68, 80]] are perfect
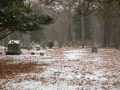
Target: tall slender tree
[[84, 8], [78, 25]]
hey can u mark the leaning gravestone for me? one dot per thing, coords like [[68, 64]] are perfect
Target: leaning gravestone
[[14, 47], [26, 40]]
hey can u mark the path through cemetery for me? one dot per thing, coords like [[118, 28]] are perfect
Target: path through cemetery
[[61, 69]]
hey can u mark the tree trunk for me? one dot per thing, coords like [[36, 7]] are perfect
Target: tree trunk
[[116, 38], [106, 34], [83, 31], [70, 35], [83, 24], [106, 28]]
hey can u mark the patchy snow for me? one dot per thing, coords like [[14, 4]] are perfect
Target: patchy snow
[[14, 42], [74, 54], [61, 69]]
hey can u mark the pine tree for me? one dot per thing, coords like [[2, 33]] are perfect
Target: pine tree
[[17, 16]]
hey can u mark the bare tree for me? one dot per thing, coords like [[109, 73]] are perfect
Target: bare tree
[[66, 17], [64, 23], [84, 8], [109, 14]]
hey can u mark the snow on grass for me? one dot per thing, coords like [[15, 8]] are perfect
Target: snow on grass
[[74, 54], [66, 70]]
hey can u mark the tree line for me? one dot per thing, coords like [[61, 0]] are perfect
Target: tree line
[[18, 16]]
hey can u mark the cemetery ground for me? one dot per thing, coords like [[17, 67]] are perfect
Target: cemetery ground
[[70, 68]]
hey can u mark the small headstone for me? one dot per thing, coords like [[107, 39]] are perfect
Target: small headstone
[[32, 53], [41, 54], [37, 48], [55, 43], [14, 47], [51, 44], [94, 49]]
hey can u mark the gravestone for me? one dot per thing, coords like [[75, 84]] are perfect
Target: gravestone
[[111, 46], [37, 46], [32, 53], [56, 43], [26, 40], [94, 49], [41, 54], [51, 44], [14, 47]]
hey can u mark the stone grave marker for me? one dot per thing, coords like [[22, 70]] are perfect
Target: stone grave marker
[[26, 40], [14, 47], [94, 49]]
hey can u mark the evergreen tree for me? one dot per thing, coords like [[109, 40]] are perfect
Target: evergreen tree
[[17, 16]]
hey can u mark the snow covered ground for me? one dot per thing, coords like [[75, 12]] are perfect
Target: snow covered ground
[[61, 69]]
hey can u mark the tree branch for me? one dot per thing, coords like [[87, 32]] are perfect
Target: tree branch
[[5, 35]]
